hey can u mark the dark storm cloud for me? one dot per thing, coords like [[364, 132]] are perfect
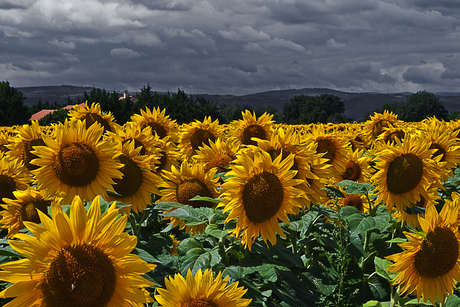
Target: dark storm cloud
[[237, 47]]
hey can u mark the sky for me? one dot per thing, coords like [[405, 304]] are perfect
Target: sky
[[232, 47]]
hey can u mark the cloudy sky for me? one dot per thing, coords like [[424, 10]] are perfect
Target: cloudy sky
[[232, 47]]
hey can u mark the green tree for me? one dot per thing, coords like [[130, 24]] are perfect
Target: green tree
[[314, 109], [396, 107], [13, 111], [57, 116], [421, 105]]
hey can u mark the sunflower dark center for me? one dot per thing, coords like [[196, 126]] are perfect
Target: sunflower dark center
[[263, 196], [92, 118], [199, 303], [397, 134], [327, 148], [220, 161], [439, 152], [131, 181], [27, 156], [404, 173], [188, 189], [158, 128], [7, 187], [354, 200], [81, 275], [29, 210], [253, 131], [200, 137], [76, 164], [352, 171], [438, 253], [378, 127]]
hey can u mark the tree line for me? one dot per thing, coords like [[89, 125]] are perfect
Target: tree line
[[185, 108]]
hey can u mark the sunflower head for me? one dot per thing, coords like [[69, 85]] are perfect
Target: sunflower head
[[429, 264], [378, 122], [195, 135], [160, 124], [93, 114], [12, 177], [260, 192], [201, 290], [77, 162], [251, 126]]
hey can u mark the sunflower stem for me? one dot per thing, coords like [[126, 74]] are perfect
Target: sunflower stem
[[293, 237]]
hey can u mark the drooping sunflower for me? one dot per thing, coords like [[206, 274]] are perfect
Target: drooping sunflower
[[197, 134], [251, 126], [12, 177], [430, 263], [201, 290], [167, 152], [81, 260], [138, 181], [77, 162], [389, 134], [405, 172], [260, 192], [356, 167], [217, 154], [21, 146], [446, 146], [410, 216], [23, 208], [377, 123], [160, 123], [4, 141], [181, 185], [333, 146], [93, 114]]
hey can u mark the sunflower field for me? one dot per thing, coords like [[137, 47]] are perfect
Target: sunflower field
[[251, 213]]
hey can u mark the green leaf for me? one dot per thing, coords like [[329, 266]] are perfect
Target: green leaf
[[397, 240], [453, 301], [7, 253], [381, 266], [352, 187], [333, 192], [195, 259], [235, 272], [215, 231], [372, 304], [188, 244], [304, 224], [215, 256], [360, 223], [209, 199], [189, 215], [144, 255]]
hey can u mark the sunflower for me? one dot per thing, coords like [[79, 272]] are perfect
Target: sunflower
[[251, 126], [405, 171], [138, 180], [217, 154], [23, 208], [389, 134], [167, 153], [160, 123], [260, 192], [356, 167], [430, 262], [81, 260], [77, 162], [377, 123], [359, 201], [197, 134], [201, 290], [286, 141], [446, 146], [410, 216], [12, 177], [4, 141], [332, 146], [93, 114], [181, 185], [21, 146]]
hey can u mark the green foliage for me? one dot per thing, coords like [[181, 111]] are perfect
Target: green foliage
[[57, 116], [314, 109], [13, 111], [417, 107]]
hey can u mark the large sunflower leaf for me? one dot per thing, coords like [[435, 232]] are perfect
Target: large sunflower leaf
[[352, 187], [195, 259], [361, 223], [381, 266]]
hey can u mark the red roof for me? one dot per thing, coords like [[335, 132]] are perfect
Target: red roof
[[40, 114], [70, 106]]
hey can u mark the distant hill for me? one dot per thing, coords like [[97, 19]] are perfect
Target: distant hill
[[357, 105]]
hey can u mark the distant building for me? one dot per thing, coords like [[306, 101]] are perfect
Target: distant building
[[40, 114], [125, 96]]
